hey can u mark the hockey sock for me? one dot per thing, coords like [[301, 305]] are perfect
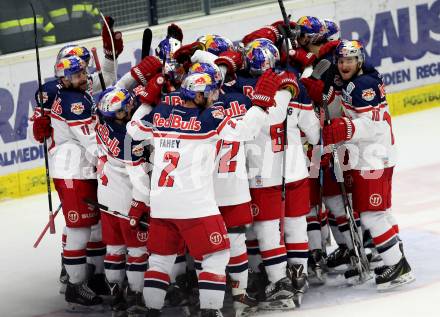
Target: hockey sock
[[212, 280], [114, 263], [337, 235], [96, 249], [325, 230], [238, 263], [179, 267], [157, 279], [384, 236], [313, 233], [74, 254], [297, 244], [253, 251], [272, 253], [137, 261]]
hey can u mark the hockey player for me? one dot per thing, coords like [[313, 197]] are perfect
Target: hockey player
[[232, 192], [122, 169], [265, 177], [367, 132], [216, 44], [72, 158], [182, 196]]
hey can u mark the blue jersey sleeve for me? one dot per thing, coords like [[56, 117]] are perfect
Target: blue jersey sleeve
[[50, 90], [365, 92]]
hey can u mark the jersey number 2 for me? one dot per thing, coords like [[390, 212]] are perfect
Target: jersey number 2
[[165, 179], [226, 163]]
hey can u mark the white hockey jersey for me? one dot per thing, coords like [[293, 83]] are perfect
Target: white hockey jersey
[[372, 146], [184, 155], [73, 149], [122, 168]]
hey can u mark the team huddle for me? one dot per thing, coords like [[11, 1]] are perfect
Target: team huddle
[[209, 167]]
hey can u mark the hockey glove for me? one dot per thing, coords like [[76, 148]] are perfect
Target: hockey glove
[[184, 53], [41, 128], [152, 92], [233, 61], [328, 48], [314, 88], [146, 69], [289, 82], [265, 90], [138, 212], [339, 129], [175, 31], [300, 57], [107, 40], [268, 32]]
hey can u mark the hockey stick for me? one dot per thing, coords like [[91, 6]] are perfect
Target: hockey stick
[[40, 101], [105, 209], [146, 42], [359, 260], [98, 68], [115, 66], [288, 36], [43, 233], [317, 73]]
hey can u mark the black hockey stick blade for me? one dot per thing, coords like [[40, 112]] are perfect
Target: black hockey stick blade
[[146, 42]]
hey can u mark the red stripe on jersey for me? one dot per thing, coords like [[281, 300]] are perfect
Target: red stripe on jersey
[[223, 124], [364, 109], [211, 277], [396, 228], [297, 246], [384, 237], [301, 106], [272, 253], [74, 253], [157, 275], [73, 123], [238, 259]]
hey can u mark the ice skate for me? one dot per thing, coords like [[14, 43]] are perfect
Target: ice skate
[[244, 305], [317, 275], [118, 304], [394, 276], [300, 282], [81, 298], [135, 304], [338, 260], [279, 296]]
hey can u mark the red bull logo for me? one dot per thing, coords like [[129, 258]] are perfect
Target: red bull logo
[[203, 79], [118, 97]]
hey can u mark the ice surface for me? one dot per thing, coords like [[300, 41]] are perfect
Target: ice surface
[[29, 277]]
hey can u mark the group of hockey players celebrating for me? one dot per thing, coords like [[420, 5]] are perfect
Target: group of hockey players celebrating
[[209, 167]]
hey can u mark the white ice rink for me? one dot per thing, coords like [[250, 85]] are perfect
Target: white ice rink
[[29, 277]]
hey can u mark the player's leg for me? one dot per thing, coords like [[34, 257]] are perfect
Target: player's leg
[[96, 251], [207, 238], [267, 212], [79, 219], [236, 218], [296, 236]]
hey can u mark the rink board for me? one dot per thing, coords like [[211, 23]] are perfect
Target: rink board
[[402, 41]]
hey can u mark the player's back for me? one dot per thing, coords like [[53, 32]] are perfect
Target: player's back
[[184, 157], [230, 177]]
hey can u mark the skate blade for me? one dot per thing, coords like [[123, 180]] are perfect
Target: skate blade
[[81, 309], [357, 280], [244, 312], [338, 269], [402, 280], [297, 299], [279, 304], [318, 279]]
